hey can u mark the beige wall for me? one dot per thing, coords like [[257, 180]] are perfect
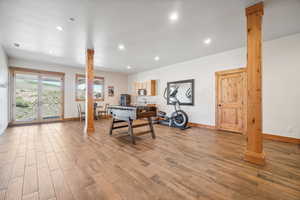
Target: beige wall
[[281, 91], [118, 80]]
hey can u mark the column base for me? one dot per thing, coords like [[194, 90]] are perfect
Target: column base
[[89, 131], [256, 158]]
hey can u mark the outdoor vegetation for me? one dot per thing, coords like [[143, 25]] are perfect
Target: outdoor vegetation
[[26, 99]]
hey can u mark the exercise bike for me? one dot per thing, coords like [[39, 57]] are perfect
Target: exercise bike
[[178, 118]]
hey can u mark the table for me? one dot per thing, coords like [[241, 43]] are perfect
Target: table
[[127, 114]]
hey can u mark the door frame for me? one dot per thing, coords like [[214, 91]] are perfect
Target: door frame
[[244, 112], [13, 71]]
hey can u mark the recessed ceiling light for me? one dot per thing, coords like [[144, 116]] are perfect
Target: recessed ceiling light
[[51, 52], [173, 16], [59, 28], [156, 58], [207, 41], [17, 45], [129, 67], [121, 47]]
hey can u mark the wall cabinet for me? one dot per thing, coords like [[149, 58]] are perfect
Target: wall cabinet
[[149, 86]]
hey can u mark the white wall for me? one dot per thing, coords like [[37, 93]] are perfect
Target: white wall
[[281, 86], [118, 80], [281, 80], [3, 91]]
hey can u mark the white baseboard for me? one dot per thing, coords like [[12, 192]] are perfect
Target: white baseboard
[[2, 129]]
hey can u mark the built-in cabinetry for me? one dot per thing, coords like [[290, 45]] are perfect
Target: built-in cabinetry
[[149, 86]]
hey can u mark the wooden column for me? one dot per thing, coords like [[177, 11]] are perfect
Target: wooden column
[[254, 152], [89, 98]]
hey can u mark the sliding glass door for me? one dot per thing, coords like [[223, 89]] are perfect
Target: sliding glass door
[[51, 98], [37, 97], [26, 97]]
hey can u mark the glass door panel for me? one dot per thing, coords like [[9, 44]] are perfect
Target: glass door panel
[[26, 100], [51, 98]]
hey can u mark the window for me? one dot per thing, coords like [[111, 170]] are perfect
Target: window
[[81, 88]]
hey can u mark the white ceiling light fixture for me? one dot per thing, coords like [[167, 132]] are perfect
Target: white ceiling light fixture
[[59, 28], [129, 67], [207, 41], [156, 58], [173, 16], [121, 47]]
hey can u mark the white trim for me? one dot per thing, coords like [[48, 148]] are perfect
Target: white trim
[[2, 131]]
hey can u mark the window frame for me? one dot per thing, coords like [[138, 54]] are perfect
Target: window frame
[[76, 86]]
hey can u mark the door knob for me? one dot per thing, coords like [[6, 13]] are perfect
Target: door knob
[[219, 105]]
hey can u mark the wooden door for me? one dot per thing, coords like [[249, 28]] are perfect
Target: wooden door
[[230, 100]]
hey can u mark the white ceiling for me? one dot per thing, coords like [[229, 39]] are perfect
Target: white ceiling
[[141, 25]]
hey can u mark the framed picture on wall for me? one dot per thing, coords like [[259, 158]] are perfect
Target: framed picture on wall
[[111, 91], [183, 91]]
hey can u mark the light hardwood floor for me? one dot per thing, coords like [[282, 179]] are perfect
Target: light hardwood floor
[[55, 161]]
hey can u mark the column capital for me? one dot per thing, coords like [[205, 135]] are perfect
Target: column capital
[[90, 51], [255, 9]]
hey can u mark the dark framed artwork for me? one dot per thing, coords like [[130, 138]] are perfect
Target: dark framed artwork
[[184, 92], [111, 91]]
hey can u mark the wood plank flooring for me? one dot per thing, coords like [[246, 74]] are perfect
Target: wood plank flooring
[[57, 162]]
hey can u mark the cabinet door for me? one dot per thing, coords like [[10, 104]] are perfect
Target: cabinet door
[[139, 85], [143, 85], [135, 88], [151, 87], [148, 87]]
